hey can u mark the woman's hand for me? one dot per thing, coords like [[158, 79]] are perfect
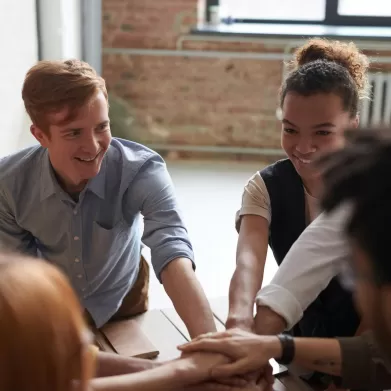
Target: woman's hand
[[248, 352]]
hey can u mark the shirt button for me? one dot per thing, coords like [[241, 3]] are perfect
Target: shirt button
[[75, 212], [75, 238], [77, 260], [79, 276]]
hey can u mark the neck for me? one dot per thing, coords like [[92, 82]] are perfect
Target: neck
[[73, 189], [313, 186]]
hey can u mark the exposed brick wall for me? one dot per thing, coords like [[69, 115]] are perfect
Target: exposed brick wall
[[186, 100]]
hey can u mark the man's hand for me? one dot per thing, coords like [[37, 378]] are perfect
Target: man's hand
[[214, 386], [248, 352]]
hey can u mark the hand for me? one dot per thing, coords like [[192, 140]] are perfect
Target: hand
[[214, 386], [248, 351]]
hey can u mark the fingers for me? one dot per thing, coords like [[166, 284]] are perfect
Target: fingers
[[236, 368], [268, 374], [233, 381], [206, 345], [214, 335]]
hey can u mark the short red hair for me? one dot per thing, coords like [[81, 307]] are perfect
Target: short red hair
[[51, 86]]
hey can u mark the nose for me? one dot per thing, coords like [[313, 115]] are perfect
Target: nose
[[305, 146], [91, 143]]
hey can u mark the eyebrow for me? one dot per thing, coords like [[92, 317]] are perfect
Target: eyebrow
[[107, 122], [318, 126]]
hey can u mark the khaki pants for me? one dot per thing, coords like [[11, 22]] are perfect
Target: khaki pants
[[136, 300]]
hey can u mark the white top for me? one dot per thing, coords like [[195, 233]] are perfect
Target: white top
[[320, 253], [256, 201]]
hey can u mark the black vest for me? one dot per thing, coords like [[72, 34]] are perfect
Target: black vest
[[333, 313]]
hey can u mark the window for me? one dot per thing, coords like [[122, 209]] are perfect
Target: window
[[372, 8], [327, 12], [274, 10]]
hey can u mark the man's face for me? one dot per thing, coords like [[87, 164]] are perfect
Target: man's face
[[76, 148], [373, 301]]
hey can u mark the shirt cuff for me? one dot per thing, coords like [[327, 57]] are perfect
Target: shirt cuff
[[282, 302]]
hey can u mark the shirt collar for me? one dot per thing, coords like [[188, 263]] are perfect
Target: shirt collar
[[50, 186]]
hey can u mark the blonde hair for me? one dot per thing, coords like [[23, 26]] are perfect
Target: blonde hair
[[51, 86], [42, 330]]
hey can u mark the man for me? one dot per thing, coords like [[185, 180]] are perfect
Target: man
[[77, 200], [358, 187]]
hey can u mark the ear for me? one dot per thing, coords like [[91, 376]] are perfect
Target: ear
[[40, 135], [355, 122]]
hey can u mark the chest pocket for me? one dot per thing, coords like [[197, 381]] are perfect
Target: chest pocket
[[107, 242]]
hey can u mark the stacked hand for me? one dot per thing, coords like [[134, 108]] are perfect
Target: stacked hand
[[247, 352]]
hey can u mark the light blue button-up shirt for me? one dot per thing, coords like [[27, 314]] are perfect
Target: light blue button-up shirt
[[97, 240]]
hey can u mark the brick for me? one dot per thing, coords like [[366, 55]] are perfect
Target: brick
[[201, 101], [189, 100]]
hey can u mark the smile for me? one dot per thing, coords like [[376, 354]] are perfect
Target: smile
[[304, 161], [88, 160]]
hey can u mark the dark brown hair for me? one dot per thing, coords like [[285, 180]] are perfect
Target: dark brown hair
[[322, 66]]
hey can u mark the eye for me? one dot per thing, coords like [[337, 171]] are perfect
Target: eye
[[103, 127], [290, 131], [73, 133], [323, 132]]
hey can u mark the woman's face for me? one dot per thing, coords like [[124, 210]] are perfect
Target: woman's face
[[311, 126]]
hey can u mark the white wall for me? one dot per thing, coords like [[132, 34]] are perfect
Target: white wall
[[18, 52]]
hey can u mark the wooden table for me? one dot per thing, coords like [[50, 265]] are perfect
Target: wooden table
[[165, 329]]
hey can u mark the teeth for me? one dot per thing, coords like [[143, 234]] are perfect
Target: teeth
[[304, 161], [86, 160]]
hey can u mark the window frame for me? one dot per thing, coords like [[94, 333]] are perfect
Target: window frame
[[332, 18]]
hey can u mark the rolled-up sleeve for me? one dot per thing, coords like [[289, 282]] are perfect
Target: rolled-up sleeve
[[313, 260], [363, 365], [164, 230], [255, 200]]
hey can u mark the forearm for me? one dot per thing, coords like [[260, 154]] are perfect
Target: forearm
[[182, 286], [110, 364], [174, 375], [317, 354], [245, 283], [159, 378], [268, 322]]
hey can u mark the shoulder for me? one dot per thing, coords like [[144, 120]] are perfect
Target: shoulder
[[21, 165], [136, 164], [278, 168], [132, 154]]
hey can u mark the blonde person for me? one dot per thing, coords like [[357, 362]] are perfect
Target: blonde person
[[46, 345]]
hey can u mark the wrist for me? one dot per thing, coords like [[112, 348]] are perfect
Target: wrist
[[242, 321], [287, 344], [272, 346]]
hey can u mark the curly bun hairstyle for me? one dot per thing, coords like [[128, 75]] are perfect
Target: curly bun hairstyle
[[322, 66]]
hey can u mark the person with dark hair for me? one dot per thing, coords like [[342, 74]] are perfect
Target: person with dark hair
[[318, 100], [356, 180]]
